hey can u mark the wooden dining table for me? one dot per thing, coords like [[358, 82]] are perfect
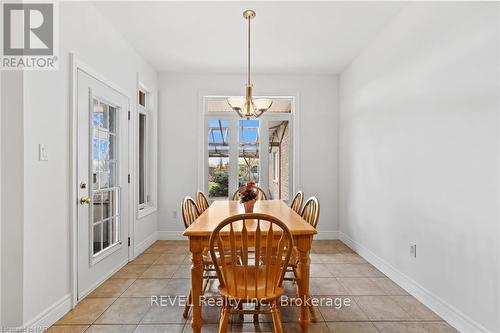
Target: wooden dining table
[[199, 234]]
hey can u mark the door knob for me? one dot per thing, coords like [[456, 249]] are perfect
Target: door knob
[[85, 200]]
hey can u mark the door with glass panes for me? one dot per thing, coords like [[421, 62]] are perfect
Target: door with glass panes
[[240, 150], [102, 161]]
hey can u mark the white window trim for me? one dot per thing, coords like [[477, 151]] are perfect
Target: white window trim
[[149, 111], [292, 118]]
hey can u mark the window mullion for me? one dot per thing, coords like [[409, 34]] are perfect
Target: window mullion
[[233, 156]]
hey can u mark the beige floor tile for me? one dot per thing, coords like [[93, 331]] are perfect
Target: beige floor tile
[[159, 271], [353, 270], [207, 328], [67, 329], [415, 309], [169, 259], [168, 314], [252, 327], [352, 312], [157, 247], [352, 327], [183, 272], [389, 287], [326, 286], [131, 271], [87, 311], [381, 308], [319, 271], [341, 258], [401, 327], [177, 287], [289, 314], [146, 288], [315, 259], [342, 248], [360, 286], [181, 250], [112, 288], [159, 329], [111, 329], [438, 327], [125, 311], [145, 259], [313, 328]]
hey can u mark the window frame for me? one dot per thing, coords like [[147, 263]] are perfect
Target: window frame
[[233, 118], [276, 165], [149, 159]]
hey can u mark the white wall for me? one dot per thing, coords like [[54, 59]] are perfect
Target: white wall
[[46, 120], [180, 108], [418, 156], [12, 191]]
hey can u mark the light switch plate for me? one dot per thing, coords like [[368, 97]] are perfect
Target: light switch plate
[[42, 153], [413, 250]]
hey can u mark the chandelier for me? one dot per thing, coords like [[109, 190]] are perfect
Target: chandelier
[[248, 107]]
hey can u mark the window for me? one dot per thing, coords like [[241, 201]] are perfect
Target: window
[[239, 150], [145, 153], [276, 166]]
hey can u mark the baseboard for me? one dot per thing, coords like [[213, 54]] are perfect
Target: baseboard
[[48, 317], [326, 235], [453, 316], [171, 235], [139, 248]]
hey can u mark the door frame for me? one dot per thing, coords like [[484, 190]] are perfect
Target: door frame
[[75, 65]]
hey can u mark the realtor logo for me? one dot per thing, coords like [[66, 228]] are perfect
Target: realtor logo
[[28, 36]]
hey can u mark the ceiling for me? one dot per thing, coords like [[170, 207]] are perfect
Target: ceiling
[[287, 37]]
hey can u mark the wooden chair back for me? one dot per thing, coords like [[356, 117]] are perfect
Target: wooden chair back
[[297, 201], [261, 194], [260, 275], [189, 211], [201, 201], [310, 211]]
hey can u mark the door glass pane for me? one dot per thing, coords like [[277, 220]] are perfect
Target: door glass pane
[[105, 194], [106, 234], [248, 151], [97, 238], [279, 159], [218, 158]]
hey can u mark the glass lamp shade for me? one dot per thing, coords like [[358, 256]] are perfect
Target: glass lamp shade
[[236, 103], [262, 104], [254, 109]]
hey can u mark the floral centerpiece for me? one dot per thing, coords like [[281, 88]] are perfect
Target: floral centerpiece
[[248, 195]]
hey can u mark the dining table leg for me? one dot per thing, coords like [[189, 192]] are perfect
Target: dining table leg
[[304, 246], [196, 284]]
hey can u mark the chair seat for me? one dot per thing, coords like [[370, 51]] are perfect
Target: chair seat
[[255, 290]]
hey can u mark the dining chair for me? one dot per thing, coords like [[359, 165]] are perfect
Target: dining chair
[[297, 201], [201, 201], [251, 279], [261, 194], [190, 213], [310, 213]]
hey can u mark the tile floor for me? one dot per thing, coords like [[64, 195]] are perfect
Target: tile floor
[[123, 303]]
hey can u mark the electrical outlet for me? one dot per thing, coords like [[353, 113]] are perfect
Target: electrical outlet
[[174, 214], [413, 250]]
